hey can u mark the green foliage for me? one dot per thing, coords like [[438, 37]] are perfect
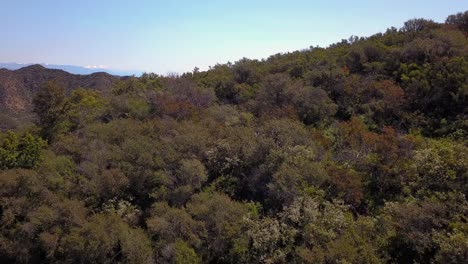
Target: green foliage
[[51, 107], [297, 170], [420, 225], [441, 166], [85, 107], [314, 105], [185, 254], [106, 239], [355, 153], [418, 24], [460, 20], [20, 150]]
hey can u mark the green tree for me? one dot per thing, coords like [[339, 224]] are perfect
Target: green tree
[[459, 19], [51, 107], [85, 106], [313, 105], [20, 151], [106, 239]]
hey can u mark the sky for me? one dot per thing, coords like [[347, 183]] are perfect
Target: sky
[[179, 35]]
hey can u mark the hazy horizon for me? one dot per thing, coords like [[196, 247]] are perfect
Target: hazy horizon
[[162, 37]]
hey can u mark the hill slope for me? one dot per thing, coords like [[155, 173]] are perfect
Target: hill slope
[[17, 88]]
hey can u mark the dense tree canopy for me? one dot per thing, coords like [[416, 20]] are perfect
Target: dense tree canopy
[[355, 153]]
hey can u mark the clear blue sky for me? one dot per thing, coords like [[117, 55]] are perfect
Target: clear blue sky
[[177, 35]]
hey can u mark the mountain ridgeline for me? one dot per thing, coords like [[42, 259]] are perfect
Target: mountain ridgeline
[[18, 87], [354, 153]]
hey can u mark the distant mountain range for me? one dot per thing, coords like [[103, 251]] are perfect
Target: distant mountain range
[[18, 87], [71, 69]]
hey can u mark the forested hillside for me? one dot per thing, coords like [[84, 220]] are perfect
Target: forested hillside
[[18, 87], [355, 153]]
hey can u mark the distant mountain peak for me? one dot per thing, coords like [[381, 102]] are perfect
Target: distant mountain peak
[[32, 67], [37, 65]]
